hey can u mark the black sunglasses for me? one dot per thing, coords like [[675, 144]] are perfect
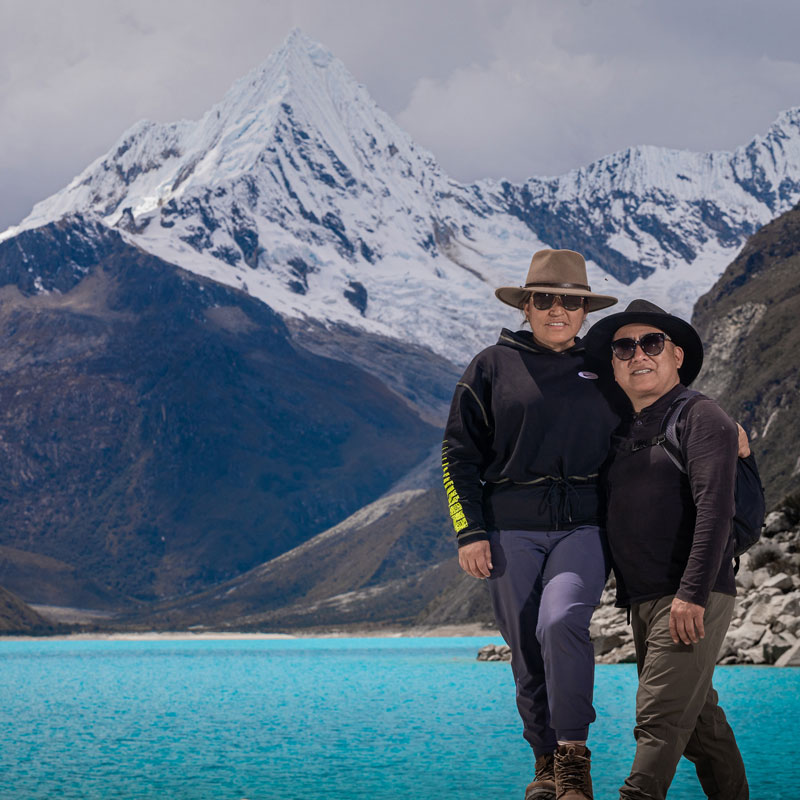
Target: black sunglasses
[[652, 344], [542, 301]]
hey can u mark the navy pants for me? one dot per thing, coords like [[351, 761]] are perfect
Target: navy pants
[[545, 586]]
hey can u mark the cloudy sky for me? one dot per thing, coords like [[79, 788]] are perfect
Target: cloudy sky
[[493, 88]]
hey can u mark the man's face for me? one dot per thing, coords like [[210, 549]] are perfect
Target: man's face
[[646, 378]]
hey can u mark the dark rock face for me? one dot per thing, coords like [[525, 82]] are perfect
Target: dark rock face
[[569, 225], [748, 322], [356, 295], [160, 432]]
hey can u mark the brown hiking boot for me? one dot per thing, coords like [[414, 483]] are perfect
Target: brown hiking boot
[[573, 779], [543, 785]]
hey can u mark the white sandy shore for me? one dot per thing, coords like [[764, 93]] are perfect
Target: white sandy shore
[[477, 631]]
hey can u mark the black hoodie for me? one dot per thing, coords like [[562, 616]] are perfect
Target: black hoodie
[[528, 431]]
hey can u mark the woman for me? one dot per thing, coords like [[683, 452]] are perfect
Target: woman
[[528, 430]]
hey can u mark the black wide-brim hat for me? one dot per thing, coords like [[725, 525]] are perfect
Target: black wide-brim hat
[[598, 340]]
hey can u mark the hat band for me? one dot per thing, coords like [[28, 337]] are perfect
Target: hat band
[[560, 285]]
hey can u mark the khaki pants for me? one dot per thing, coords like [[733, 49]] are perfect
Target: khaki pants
[[676, 706]]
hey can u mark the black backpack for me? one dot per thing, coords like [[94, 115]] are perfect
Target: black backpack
[[748, 518]]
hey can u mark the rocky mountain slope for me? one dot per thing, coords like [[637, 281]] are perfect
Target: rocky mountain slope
[[390, 564], [19, 619], [383, 564], [161, 432], [748, 322]]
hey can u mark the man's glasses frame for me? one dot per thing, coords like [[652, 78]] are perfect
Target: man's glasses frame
[[652, 344]]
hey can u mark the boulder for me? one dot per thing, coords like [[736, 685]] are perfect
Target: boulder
[[605, 644], [752, 655], [744, 579], [494, 652], [791, 658], [786, 623], [745, 636], [776, 522], [780, 581], [763, 613], [774, 645], [760, 576], [624, 654], [788, 604]]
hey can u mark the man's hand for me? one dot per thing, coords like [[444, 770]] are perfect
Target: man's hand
[[744, 442], [686, 622], [476, 559]]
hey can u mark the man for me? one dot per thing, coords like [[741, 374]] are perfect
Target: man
[[669, 534]]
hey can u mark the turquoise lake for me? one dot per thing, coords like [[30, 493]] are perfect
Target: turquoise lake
[[338, 719]]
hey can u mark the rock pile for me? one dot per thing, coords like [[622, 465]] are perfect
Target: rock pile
[[494, 652], [766, 625]]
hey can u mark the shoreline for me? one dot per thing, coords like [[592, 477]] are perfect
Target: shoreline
[[443, 631]]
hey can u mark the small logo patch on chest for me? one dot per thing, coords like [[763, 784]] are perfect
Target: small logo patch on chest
[[590, 376]]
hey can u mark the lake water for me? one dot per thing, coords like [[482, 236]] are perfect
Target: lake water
[[340, 719]]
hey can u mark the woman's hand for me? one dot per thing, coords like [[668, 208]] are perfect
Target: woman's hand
[[476, 559]]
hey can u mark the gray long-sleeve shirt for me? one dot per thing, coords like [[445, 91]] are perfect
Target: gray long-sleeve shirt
[[670, 533]]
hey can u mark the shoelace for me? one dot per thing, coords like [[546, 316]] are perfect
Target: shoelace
[[546, 770], [572, 770]]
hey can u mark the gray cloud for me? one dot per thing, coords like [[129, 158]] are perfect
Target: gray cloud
[[504, 88]]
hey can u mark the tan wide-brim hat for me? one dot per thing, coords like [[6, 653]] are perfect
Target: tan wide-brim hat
[[555, 272]]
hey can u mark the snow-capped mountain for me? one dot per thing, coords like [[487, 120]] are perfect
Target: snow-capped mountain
[[299, 189]]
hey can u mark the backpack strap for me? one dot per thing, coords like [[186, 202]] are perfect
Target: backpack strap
[[668, 436]]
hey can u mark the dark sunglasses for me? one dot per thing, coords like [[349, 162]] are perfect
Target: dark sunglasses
[[652, 344], [542, 301]]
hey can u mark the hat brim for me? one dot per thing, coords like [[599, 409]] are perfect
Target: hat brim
[[598, 340], [517, 296]]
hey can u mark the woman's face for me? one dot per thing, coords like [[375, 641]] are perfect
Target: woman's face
[[555, 327]]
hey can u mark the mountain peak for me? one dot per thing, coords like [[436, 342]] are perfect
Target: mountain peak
[[299, 60], [299, 43], [303, 80]]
